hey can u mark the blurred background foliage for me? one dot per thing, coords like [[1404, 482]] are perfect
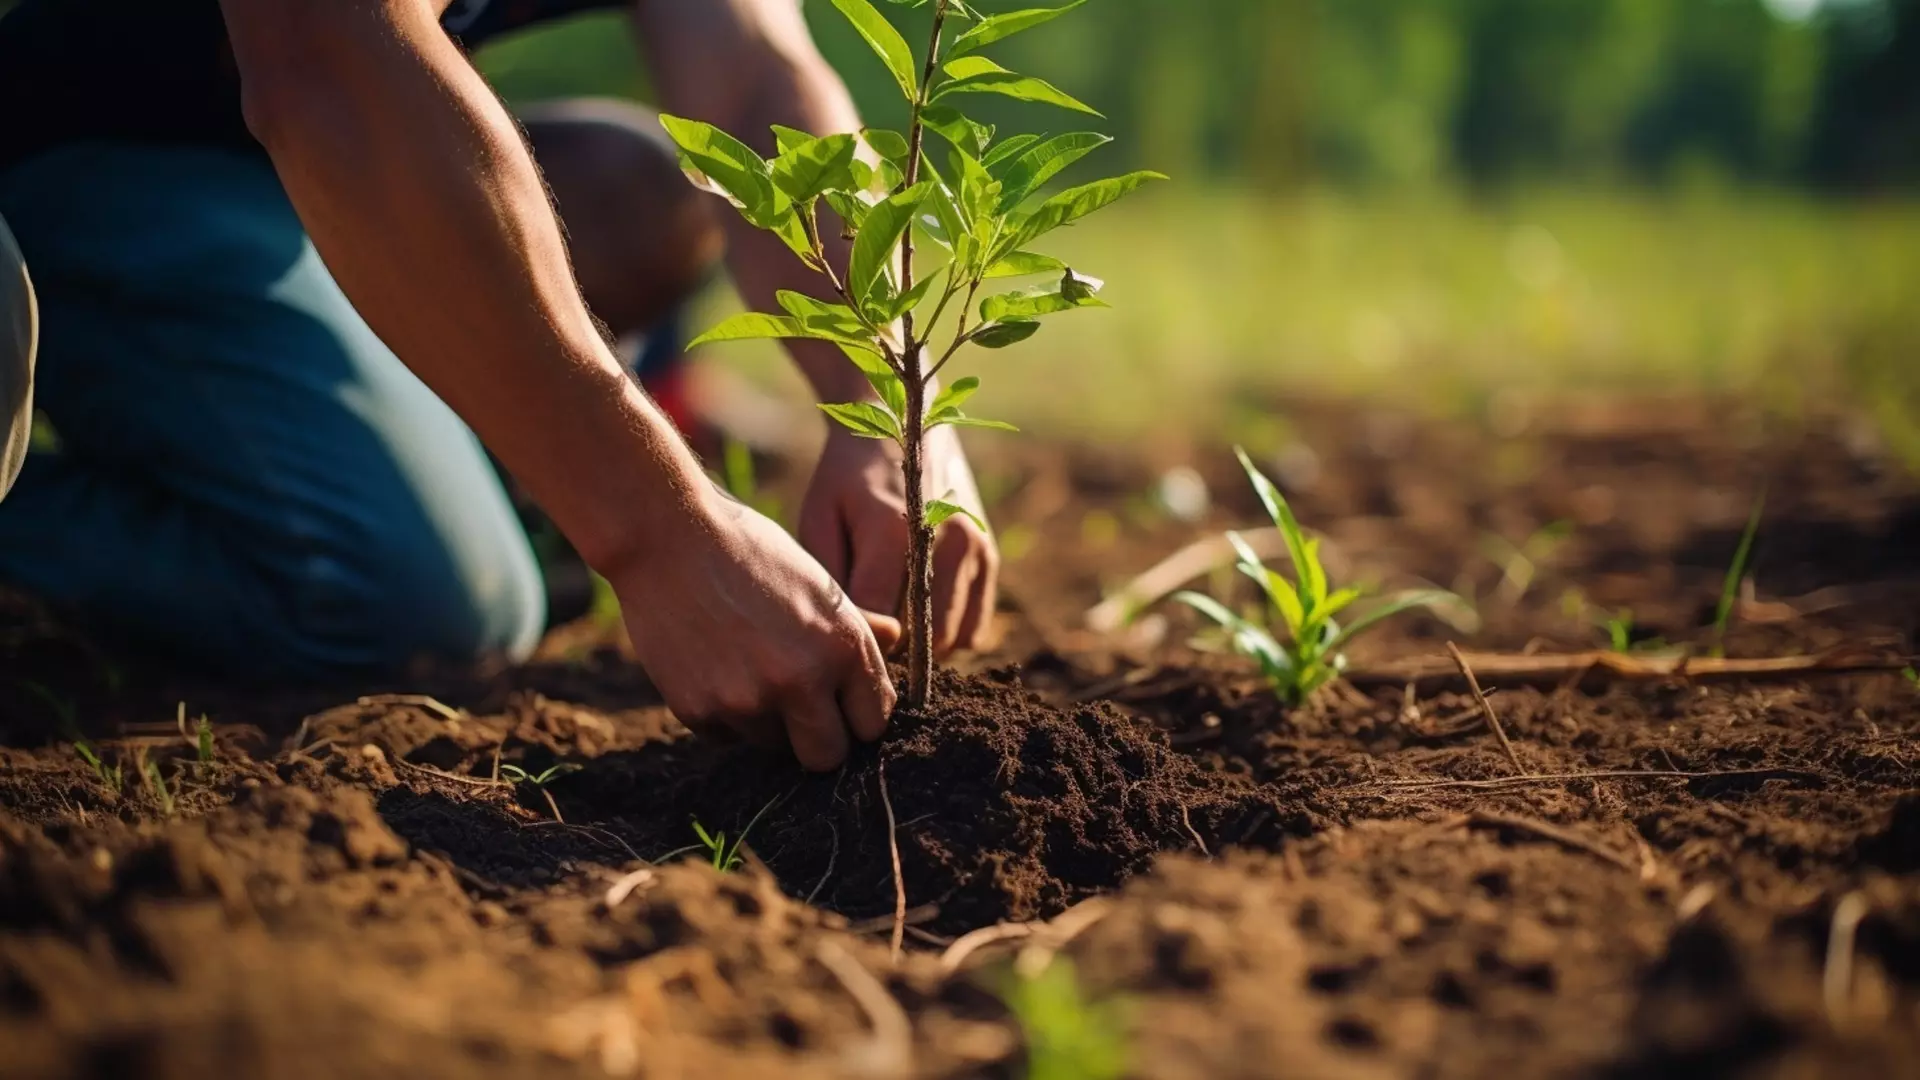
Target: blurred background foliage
[[1420, 92], [1443, 201], [1448, 202]]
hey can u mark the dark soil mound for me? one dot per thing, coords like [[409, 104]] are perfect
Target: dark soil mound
[[1006, 807]]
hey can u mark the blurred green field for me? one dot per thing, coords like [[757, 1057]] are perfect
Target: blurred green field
[[1227, 292]]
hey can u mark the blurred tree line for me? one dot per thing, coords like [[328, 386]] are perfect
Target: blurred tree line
[[1394, 92], [1496, 91]]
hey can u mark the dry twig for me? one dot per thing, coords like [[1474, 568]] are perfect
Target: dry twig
[[1565, 838], [1486, 707], [1517, 669], [1617, 774]]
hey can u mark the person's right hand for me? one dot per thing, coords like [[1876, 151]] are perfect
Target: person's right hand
[[738, 626]]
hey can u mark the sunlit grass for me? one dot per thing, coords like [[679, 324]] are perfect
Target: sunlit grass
[[1218, 295]]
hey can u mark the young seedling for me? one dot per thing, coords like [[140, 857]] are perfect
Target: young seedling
[[516, 775], [110, 776], [1310, 655], [1619, 628], [975, 204], [157, 784], [1736, 574], [723, 854], [201, 737], [1520, 563], [1069, 1036]]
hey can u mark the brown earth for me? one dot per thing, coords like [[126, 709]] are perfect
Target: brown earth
[[1357, 888]]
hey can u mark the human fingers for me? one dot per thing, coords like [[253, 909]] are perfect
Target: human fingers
[[816, 729], [867, 696], [955, 566], [879, 565]]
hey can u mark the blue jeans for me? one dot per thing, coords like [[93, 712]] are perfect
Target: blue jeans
[[247, 478]]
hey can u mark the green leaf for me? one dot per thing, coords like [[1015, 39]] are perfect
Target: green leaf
[[806, 170], [978, 75], [955, 396], [786, 138], [1073, 204], [1000, 335], [1023, 263], [953, 126], [851, 208], [979, 192], [888, 144], [753, 325], [1074, 292], [1248, 639], [873, 248], [865, 419], [940, 510], [994, 28], [971, 422], [1305, 563], [1391, 606], [1280, 592], [886, 42], [716, 161], [792, 231], [1043, 162], [911, 299], [1006, 150], [816, 314], [881, 377]]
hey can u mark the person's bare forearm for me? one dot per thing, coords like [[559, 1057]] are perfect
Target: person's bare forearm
[[417, 190], [774, 76]]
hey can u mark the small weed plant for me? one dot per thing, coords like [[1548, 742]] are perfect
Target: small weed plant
[[157, 784], [1299, 645], [517, 776], [1736, 575], [977, 203], [724, 854], [1069, 1035], [110, 776]]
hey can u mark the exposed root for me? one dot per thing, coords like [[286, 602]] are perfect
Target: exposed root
[[1837, 981], [889, 1052], [899, 879]]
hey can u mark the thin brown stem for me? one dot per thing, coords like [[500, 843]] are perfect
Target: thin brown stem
[[919, 613]]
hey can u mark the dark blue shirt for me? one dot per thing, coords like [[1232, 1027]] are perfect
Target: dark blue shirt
[[160, 70]]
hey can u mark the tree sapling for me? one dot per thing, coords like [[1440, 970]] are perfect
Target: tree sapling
[[880, 306]]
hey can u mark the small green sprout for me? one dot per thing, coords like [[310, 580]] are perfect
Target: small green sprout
[[725, 855], [110, 776], [1311, 655], [201, 737], [1520, 563], [1912, 676], [1069, 1035], [150, 770], [1619, 628], [516, 775], [1736, 574]]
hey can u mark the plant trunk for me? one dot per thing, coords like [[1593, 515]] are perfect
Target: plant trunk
[[919, 627], [919, 614]]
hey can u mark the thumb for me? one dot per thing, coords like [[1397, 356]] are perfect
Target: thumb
[[886, 630]]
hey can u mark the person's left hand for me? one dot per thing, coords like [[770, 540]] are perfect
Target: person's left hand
[[854, 522]]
